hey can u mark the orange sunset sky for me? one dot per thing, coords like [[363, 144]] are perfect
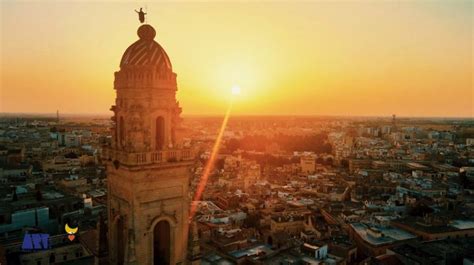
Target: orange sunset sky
[[412, 58]]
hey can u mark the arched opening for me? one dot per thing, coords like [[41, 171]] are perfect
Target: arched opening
[[160, 133], [161, 243], [121, 132], [120, 228]]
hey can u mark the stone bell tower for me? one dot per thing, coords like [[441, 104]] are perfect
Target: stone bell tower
[[147, 166]]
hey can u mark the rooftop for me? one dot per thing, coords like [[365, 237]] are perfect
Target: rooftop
[[433, 228], [462, 224], [379, 235], [253, 251]]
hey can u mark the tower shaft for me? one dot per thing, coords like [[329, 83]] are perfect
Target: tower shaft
[[147, 167]]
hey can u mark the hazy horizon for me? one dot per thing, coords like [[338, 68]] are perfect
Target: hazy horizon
[[106, 115]]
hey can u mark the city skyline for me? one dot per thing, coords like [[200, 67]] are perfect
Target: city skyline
[[318, 58]]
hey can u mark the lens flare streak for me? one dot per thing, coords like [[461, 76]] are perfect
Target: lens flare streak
[[210, 163]]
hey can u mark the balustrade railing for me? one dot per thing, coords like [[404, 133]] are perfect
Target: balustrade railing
[[156, 157]]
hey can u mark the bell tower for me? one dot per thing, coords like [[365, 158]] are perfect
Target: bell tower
[[147, 165]]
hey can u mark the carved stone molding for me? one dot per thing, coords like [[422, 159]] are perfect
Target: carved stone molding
[[162, 215]]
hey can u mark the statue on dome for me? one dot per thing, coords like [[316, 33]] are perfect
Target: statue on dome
[[141, 15]]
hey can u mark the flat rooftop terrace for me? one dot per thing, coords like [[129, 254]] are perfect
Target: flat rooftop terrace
[[388, 235]]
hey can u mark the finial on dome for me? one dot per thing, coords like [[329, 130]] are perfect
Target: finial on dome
[[146, 32]]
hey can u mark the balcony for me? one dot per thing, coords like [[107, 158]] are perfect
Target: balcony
[[148, 158]]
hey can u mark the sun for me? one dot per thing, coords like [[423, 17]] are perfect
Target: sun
[[236, 90]]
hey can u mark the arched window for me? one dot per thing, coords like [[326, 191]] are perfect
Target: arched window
[[160, 133], [120, 228], [161, 243]]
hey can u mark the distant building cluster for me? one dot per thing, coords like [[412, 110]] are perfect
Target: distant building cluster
[[388, 192], [51, 176], [381, 195]]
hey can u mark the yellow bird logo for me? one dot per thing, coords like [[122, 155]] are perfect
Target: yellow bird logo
[[71, 231]]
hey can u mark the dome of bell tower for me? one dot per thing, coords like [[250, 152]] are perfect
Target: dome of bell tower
[[146, 51], [146, 32]]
